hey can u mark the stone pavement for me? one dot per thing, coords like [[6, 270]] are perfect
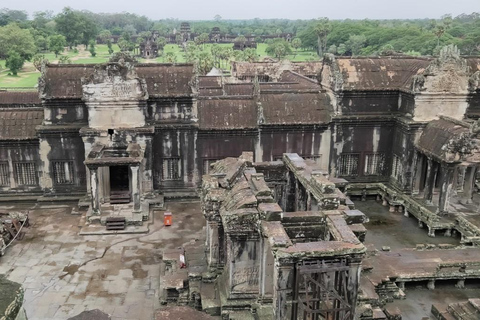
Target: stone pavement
[[64, 273]]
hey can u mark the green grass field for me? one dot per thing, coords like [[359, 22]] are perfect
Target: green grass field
[[28, 76]]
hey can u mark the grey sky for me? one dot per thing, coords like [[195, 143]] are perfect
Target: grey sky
[[247, 9]]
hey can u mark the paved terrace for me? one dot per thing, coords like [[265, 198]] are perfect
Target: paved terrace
[[64, 273]]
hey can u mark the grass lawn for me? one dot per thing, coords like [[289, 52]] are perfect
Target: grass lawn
[[28, 76]]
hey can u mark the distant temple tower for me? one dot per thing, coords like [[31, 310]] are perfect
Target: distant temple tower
[[149, 48], [185, 31]]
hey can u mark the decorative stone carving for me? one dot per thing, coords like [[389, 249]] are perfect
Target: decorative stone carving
[[114, 81]]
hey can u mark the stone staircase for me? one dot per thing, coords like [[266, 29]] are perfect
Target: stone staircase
[[115, 223], [468, 310], [388, 291]]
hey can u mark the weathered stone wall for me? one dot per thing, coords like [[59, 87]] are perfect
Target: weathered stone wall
[[20, 151], [11, 300], [65, 112]]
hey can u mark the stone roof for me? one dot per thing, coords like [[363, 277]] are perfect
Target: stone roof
[[275, 68], [19, 98], [19, 124], [163, 80], [383, 73], [227, 113], [295, 108], [444, 140]]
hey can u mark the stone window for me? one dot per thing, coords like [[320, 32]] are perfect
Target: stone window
[[4, 174], [62, 172], [172, 169], [397, 167], [375, 164], [25, 173], [348, 164]]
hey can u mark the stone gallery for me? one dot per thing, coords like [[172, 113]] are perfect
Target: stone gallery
[[276, 151]]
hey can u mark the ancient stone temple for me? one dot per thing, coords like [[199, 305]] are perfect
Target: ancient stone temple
[[289, 254], [149, 47]]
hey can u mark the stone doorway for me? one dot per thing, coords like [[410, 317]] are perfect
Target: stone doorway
[[119, 185]]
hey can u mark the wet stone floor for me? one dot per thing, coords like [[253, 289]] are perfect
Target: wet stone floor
[[399, 232], [64, 273]]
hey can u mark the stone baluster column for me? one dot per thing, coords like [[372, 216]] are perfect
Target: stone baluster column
[[94, 186], [135, 188], [446, 187], [417, 172], [469, 183], [432, 168]]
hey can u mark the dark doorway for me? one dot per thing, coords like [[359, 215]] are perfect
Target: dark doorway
[[119, 184]]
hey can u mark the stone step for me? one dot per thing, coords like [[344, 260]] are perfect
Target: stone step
[[115, 223]]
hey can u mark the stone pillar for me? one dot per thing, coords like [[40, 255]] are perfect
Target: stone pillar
[[392, 209], [406, 214], [309, 201], [94, 190], [446, 187], [354, 283], [469, 183], [432, 168], [448, 233], [431, 232], [431, 285], [460, 284], [401, 285], [135, 188], [417, 172], [420, 224]]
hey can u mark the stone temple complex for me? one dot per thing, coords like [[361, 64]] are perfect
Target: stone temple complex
[[278, 154]]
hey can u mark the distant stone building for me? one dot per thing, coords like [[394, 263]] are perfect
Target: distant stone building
[[149, 48], [240, 45]]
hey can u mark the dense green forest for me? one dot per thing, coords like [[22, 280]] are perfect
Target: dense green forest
[[24, 38]]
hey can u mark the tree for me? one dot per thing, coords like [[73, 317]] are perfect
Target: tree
[[322, 30], [217, 18], [92, 48], [69, 24], [109, 45], [355, 43], [13, 38], [161, 42], [38, 60], [41, 43], [170, 57], [144, 35], [332, 49], [250, 55], [439, 32], [105, 35], [204, 62], [14, 62], [341, 49], [57, 44], [64, 60], [296, 43], [279, 48], [202, 39], [8, 16]]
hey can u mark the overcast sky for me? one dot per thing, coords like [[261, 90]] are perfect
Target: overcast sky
[[249, 9]]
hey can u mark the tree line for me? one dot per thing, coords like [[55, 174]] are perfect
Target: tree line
[[23, 38]]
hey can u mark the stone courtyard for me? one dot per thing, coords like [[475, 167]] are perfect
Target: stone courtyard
[[64, 273]]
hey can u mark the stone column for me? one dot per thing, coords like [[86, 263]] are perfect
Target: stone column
[[353, 283], [418, 173], [309, 201], [135, 188], [469, 183], [94, 190], [446, 187], [432, 168]]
